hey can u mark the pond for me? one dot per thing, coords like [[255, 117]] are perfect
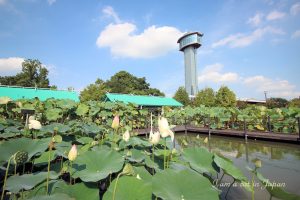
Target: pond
[[280, 162]]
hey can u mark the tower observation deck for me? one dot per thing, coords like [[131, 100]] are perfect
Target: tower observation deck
[[189, 43]]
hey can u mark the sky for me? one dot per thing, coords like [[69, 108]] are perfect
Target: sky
[[250, 46]]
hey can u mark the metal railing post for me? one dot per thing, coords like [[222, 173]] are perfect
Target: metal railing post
[[245, 131], [208, 127]]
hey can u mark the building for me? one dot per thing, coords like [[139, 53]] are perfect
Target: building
[[143, 101], [16, 92], [188, 44]]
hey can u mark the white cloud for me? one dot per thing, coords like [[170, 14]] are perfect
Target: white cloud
[[296, 34], [153, 41], [295, 9], [108, 11], [256, 19], [10, 66], [213, 73], [50, 2], [274, 15], [2, 2], [275, 88], [242, 40]]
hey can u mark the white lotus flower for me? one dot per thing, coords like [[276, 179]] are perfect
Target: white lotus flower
[[154, 138], [34, 124], [126, 136], [164, 128], [72, 153], [4, 100]]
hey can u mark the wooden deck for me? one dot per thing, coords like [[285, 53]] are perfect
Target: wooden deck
[[278, 137]]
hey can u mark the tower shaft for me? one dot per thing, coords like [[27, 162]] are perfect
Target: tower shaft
[[190, 62]]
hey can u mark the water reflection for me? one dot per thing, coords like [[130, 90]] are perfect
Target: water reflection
[[280, 162]]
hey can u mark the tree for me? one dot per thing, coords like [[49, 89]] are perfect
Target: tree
[[225, 97], [94, 91], [205, 97], [124, 82], [295, 102], [33, 75], [276, 102], [182, 96]]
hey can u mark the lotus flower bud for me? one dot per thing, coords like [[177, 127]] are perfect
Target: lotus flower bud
[[258, 163], [206, 140], [128, 170], [154, 138], [126, 136], [116, 122], [72, 153]]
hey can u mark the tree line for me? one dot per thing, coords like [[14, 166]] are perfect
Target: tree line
[[225, 97], [35, 74]]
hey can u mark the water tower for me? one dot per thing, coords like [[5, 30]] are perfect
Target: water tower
[[189, 43]]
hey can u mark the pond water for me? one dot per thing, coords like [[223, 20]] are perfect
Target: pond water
[[280, 162]]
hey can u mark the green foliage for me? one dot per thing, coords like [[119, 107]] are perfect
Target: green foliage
[[33, 75], [205, 97], [130, 188], [122, 82], [182, 96], [94, 92], [294, 103], [93, 166], [277, 103], [182, 184], [225, 97], [102, 154]]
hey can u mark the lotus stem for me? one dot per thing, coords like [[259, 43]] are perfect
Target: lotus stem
[[5, 178], [229, 188], [71, 164], [165, 153], [153, 158], [15, 169], [252, 186], [115, 188], [48, 174]]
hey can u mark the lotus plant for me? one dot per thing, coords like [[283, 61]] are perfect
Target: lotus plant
[[20, 157], [72, 156], [154, 140], [34, 124], [165, 131], [116, 122], [126, 136]]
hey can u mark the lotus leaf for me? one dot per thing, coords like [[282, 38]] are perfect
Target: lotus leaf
[[129, 187], [229, 168], [93, 166], [53, 114], [200, 159], [82, 110], [182, 184], [136, 156], [78, 191], [27, 181], [43, 159], [32, 147], [53, 197]]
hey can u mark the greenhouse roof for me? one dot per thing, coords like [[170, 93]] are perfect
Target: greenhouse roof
[[143, 100], [15, 93]]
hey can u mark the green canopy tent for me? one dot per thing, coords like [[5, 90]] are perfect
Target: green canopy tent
[[143, 101], [16, 93]]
